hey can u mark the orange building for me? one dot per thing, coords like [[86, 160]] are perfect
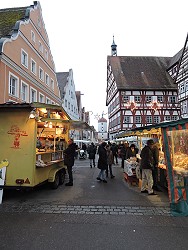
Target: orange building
[[27, 70]]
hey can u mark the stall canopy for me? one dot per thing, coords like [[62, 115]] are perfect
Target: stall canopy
[[175, 145], [36, 106]]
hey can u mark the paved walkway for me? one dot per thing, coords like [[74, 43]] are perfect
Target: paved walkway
[[89, 197], [105, 210]]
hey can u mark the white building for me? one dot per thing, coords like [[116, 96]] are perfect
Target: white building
[[68, 96]]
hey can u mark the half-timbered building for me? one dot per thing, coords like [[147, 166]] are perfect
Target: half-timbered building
[[181, 80], [140, 92]]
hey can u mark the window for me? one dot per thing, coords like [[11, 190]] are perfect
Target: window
[[47, 79], [13, 85], [52, 83], [65, 103], [174, 118], [156, 119], [148, 119], [167, 118], [33, 67], [24, 92], [137, 98], [33, 36], [71, 107], [24, 58], [148, 98], [172, 99], [137, 119], [160, 98], [48, 101], [68, 105], [126, 98], [126, 119], [33, 95], [39, 22], [40, 47], [46, 54], [41, 74], [41, 98]]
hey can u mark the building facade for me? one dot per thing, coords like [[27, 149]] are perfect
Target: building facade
[[27, 69], [69, 99], [181, 79], [140, 92]]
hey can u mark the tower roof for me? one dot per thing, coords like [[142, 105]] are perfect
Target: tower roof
[[113, 48], [102, 119]]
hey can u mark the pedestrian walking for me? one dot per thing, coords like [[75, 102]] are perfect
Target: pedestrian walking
[[102, 162], [69, 155], [114, 149], [92, 152], [109, 161], [146, 166]]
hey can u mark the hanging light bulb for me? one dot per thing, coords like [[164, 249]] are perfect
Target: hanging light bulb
[[46, 124], [32, 114], [50, 125]]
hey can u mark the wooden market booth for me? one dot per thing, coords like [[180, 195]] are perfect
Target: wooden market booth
[[33, 137], [173, 168]]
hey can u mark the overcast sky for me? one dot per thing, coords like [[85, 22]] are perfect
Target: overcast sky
[[81, 33]]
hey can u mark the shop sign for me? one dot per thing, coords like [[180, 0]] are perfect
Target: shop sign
[[15, 130]]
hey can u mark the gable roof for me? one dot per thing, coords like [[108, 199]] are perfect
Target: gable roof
[[134, 72], [175, 59], [8, 19], [62, 78]]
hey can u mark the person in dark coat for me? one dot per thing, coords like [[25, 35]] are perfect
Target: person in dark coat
[[69, 155], [114, 149], [146, 165], [155, 150], [123, 151], [92, 152], [102, 162], [131, 151]]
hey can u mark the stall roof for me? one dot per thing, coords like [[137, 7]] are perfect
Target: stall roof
[[77, 125], [154, 127], [12, 105]]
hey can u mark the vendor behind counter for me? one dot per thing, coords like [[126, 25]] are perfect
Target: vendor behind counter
[[132, 151]]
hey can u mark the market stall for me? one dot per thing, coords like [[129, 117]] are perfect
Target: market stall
[[175, 142], [173, 160], [33, 138]]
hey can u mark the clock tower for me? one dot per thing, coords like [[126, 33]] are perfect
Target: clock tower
[[113, 48]]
